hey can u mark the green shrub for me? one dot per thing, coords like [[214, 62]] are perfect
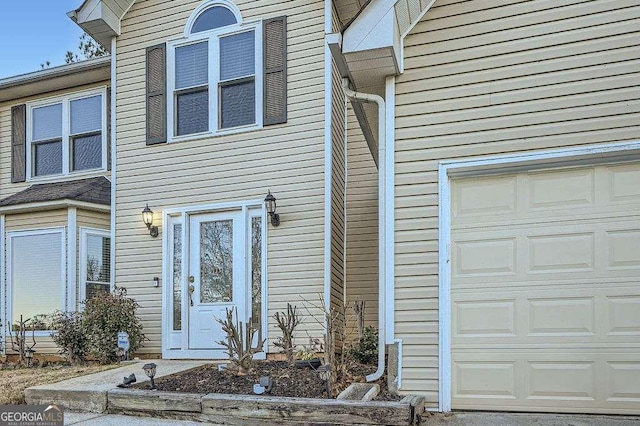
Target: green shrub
[[365, 350], [70, 336], [105, 315]]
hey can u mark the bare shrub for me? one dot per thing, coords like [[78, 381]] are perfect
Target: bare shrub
[[239, 342], [287, 322]]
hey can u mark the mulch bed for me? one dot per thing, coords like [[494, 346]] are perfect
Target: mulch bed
[[287, 380]]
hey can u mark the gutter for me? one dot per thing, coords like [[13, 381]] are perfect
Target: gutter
[[382, 214]]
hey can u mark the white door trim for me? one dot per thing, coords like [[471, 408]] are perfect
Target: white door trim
[[494, 164], [181, 215]]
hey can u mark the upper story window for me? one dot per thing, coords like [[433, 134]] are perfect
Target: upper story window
[[223, 76], [66, 135], [212, 79]]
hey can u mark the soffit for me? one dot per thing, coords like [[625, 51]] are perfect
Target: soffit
[[348, 9]]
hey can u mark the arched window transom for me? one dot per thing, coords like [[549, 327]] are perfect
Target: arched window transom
[[212, 18]]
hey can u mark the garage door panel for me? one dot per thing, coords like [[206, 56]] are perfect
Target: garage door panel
[[570, 251], [485, 318], [545, 290], [561, 317], [623, 248], [623, 183], [539, 380], [560, 189], [486, 257], [623, 315], [590, 315], [622, 381]]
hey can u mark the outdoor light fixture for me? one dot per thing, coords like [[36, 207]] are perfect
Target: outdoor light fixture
[[147, 218], [28, 353], [270, 202], [324, 371], [150, 371]]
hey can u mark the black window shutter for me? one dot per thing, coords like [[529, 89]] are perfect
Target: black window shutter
[[275, 70], [18, 143], [108, 128], [156, 94]]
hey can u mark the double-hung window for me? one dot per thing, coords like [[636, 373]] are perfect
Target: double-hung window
[[67, 135], [95, 269], [212, 76]]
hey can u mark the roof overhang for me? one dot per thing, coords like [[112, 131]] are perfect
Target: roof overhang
[[371, 49], [372, 43], [101, 18], [56, 78], [53, 205]]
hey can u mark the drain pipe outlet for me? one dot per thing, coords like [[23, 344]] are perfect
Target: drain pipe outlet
[[382, 305]]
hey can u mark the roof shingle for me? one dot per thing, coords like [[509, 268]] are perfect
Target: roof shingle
[[95, 190]]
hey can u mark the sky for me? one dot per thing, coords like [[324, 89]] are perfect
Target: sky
[[35, 31]]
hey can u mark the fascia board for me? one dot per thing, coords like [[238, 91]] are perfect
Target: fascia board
[[53, 205]]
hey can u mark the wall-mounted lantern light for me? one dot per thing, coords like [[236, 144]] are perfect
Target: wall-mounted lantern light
[[270, 203], [147, 218]]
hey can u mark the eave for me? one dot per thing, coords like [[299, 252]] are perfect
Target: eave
[[371, 49], [101, 18], [54, 205], [56, 78]]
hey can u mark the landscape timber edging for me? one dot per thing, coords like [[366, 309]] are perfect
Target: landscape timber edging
[[239, 409]]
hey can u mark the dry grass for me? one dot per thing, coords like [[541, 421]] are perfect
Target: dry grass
[[13, 382]]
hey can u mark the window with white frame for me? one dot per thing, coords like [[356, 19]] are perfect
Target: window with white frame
[[37, 273], [66, 135], [212, 79], [95, 269]]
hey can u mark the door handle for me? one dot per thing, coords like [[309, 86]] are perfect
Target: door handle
[[191, 290]]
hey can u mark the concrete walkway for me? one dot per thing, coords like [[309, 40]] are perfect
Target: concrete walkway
[[456, 419], [92, 419], [89, 393]]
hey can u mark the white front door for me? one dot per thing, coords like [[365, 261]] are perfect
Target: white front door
[[216, 280]]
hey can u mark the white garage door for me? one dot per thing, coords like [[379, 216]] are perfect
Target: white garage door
[[545, 288]]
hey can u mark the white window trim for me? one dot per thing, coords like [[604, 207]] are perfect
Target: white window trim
[[82, 282], [213, 78], [9, 269], [65, 100]]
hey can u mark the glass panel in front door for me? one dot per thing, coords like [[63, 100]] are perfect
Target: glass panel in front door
[[216, 261]]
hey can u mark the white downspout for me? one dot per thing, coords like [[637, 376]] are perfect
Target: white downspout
[[382, 311], [113, 162]]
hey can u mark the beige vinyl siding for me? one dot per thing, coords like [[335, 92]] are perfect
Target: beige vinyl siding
[[35, 221], [489, 78], [8, 188], [287, 159], [362, 223], [338, 184], [93, 219]]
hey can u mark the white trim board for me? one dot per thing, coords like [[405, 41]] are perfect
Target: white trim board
[[494, 164]]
